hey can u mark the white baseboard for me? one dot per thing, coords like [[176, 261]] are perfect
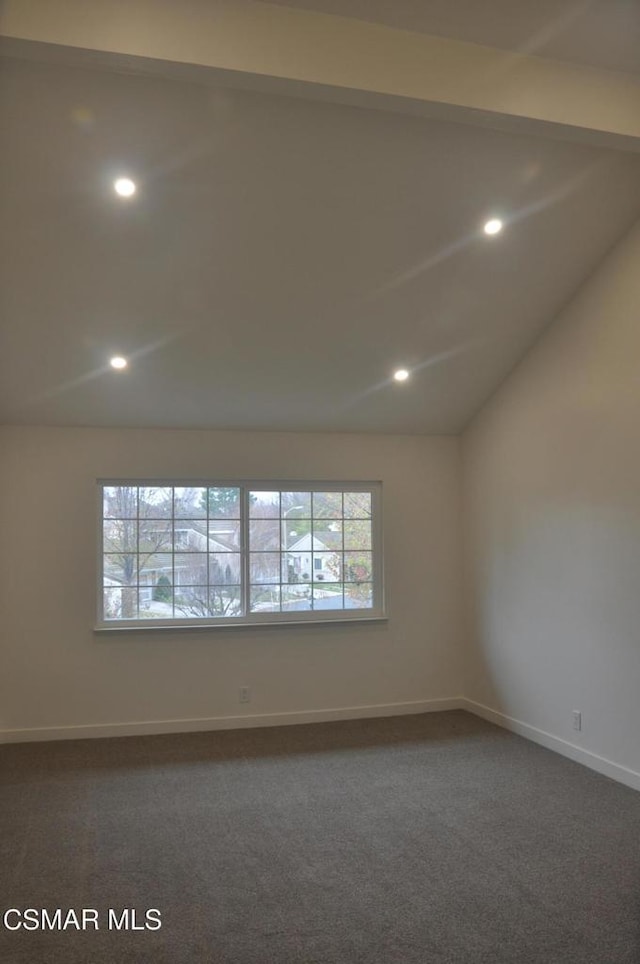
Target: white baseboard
[[149, 727], [607, 767], [96, 730]]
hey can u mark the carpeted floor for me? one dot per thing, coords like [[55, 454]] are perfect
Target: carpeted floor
[[434, 839]]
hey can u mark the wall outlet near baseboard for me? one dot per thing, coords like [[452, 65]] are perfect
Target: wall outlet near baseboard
[[577, 720], [244, 694]]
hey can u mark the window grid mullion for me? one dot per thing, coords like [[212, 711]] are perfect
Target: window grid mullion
[[312, 581], [280, 552], [208, 550], [245, 548], [137, 552], [174, 531], [341, 570]]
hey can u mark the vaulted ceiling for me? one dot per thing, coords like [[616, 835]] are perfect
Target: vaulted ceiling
[[599, 33], [282, 254]]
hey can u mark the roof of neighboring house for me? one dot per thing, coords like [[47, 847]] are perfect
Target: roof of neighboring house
[[309, 543], [111, 582]]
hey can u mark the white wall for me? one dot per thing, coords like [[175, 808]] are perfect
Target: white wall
[[551, 472], [55, 672]]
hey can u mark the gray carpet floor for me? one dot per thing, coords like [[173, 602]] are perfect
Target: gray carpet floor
[[437, 839]]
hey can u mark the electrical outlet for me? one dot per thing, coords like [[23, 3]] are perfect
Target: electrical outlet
[[244, 694], [577, 720]]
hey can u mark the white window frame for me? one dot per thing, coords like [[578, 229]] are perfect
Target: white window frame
[[375, 612]]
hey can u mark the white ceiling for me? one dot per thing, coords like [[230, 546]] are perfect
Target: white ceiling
[[281, 258], [597, 33]]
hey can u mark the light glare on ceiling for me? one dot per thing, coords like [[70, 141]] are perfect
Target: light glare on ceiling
[[118, 362], [493, 226], [124, 186], [401, 375]]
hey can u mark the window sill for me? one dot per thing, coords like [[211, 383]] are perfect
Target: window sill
[[261, 624]]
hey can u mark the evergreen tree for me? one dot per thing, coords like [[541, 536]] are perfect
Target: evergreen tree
[[163, 589], [221, 503]]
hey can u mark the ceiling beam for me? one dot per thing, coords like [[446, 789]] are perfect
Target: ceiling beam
[[249, 43]]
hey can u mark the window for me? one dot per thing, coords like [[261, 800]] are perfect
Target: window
[[232, 553]]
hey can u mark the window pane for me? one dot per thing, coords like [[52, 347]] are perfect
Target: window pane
[[120, 567], [289, 573], [264, 505], [155, 536], [120, 501], [357, 505], [156, 502], [296, 567], [120, 602], [224, 568], [296, 598], [161, 581], [358, 595], [224, 535], [151, 567], [264, 534], [265, 599], [190, 569], [357, 567], [192, 601], [151, 608], [327, 505], [190, 503], [265, 566], [296, 505], [190, 535], [296, 534], [120, 535], [327, 546], [328, 597], [112, 602], [327, 536], [357, 534], [225, 601], [224, 503]]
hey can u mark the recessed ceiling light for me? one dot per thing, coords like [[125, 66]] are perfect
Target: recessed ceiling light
[[401, 375], [118, 362], [494, 226], [124, 186]]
